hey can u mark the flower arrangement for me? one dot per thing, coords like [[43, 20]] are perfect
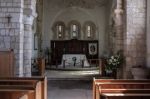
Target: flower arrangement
[[114, 62]]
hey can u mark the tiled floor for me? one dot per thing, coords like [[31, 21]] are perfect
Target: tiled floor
[[69, 89]]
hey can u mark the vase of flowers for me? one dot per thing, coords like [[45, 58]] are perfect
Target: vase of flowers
[[112, 63]]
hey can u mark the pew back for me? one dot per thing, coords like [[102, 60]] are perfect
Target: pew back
[[34, 87], [101, 86]]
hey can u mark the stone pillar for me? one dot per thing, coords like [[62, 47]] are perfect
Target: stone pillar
[[119, 26], [40, 26], [11, 30], [135, 43], [29, 15], [148, 33]]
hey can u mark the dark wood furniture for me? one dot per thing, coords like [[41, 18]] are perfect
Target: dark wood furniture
[[74, 46], [23, 88], [6, 63], [121, 89], [38, 67]]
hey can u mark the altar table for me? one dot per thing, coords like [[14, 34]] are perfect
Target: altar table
[[74, 60]]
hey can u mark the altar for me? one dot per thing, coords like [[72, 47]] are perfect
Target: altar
[[74, 60]]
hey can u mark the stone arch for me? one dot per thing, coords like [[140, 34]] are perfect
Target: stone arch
[[93, 29], [55, 30], [77, 23], [73, 12]]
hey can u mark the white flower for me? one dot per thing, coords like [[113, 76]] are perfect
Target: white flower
[[112, 57]]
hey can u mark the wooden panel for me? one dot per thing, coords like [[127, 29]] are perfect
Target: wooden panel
[[23, 88], [102, 86], [74, 46], [41, 66], [6, 63]]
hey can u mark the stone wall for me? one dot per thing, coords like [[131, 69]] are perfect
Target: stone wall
[[16, 18], [11, 30], [135, 39], [56, 10]]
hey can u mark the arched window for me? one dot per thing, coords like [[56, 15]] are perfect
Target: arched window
[[89, 30], [59, 30], [74, 29]]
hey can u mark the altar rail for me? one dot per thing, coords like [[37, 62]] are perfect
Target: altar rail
[[120, 89]]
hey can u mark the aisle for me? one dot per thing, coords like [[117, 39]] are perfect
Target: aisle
[[58, 74], [69, 89]]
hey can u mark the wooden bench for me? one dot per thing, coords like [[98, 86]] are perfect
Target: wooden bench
[[6, 63], [110, 88], [41, 66], [26, 87]]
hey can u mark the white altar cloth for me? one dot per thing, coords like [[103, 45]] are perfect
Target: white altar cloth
[[77, 59]]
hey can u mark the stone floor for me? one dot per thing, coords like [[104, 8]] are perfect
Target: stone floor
[[70, 84], [69, 89], [59, 74]]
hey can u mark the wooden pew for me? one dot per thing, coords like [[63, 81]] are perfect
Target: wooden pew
[[110, 88], [6, 63], [17, 91], [31, 88], [41, 66]]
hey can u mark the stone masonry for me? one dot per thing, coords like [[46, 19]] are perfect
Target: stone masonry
[[119, 26], [16, 21], [135, 40], [16, 18], [29, 16], [11, 30]]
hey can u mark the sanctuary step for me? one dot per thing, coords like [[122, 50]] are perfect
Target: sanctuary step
[[71, 68]]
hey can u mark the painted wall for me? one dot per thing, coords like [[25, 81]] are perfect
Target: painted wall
[[53, 12]]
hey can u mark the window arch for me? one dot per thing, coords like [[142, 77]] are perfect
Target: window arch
[[59, 30], [89, 29], [74, 29]]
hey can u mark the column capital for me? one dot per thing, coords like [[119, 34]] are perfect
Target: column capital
[[119, 11]]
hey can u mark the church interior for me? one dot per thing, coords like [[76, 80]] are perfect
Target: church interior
[[74, 49]]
